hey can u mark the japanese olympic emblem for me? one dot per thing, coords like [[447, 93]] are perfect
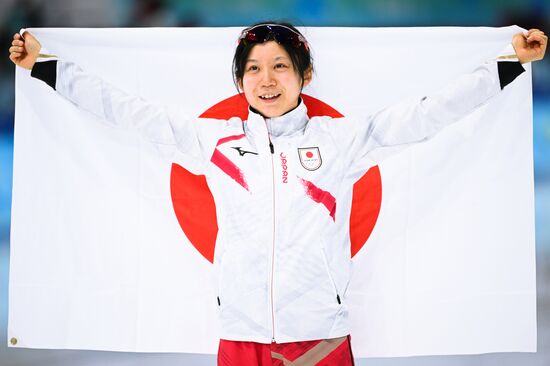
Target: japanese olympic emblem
[[310, 157]]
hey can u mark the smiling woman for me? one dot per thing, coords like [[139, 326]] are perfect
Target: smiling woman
[[270, 83], [282, 294], [272, 64]]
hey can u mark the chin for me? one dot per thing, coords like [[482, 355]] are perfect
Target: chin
[[268, 112]]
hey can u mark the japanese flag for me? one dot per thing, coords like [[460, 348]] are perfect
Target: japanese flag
[[104, 258]]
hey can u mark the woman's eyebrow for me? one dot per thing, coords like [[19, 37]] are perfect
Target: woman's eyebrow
[[276, 59]]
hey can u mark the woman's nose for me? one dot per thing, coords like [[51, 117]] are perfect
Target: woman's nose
[[268, 78]]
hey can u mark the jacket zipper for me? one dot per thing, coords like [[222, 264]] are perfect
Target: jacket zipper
[[272, 150]]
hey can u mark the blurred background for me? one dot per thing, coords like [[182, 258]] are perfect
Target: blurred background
[[15, 14]]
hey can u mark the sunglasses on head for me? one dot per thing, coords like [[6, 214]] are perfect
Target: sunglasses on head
[[267, 32]]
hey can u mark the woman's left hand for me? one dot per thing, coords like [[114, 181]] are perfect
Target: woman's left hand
[[530, 46]]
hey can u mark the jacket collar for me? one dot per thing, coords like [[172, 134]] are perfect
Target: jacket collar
[[288, 124]]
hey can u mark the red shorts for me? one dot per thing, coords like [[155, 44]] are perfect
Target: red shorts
[[325, 352]]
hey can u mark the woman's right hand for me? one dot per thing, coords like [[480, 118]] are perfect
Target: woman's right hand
[[24, 50]]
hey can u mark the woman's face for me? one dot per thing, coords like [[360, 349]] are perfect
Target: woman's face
[[270, 83]]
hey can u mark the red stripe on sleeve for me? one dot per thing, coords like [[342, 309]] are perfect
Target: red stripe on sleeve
[[320, 196], [229, 168]]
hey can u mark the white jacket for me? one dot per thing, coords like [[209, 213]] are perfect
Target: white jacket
[[282, 188]]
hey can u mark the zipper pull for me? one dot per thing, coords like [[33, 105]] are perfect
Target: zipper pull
[[271, 147]]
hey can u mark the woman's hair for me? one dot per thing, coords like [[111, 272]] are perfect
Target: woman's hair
[[300, 55]]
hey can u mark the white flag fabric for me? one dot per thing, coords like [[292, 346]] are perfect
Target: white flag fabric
[[99, 259]]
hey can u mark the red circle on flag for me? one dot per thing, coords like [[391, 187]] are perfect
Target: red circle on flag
[[194, 204]]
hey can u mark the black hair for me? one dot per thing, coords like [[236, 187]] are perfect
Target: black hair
[[300, 56]]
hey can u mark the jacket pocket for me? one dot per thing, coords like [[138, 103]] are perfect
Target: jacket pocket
[[329, 274], [219, 297]]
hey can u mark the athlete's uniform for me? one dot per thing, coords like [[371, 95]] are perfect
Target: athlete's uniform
[[282, 188]]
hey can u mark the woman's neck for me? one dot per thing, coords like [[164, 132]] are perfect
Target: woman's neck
[[290, 110]]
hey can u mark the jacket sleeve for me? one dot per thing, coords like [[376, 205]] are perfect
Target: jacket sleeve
[[118, 108], [417, 120]]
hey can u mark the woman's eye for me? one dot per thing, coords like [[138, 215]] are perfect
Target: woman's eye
[[280, 66], [252, 68]]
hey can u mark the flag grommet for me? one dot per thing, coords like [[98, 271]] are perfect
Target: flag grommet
[[13, 341]]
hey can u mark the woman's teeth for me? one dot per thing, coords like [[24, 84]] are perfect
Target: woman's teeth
[[269, 96]]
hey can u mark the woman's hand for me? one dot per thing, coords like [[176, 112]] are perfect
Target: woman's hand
[[24, 50], [530, 46]]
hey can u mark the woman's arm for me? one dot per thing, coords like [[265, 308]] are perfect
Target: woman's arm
[[107, 102], [418, 120]]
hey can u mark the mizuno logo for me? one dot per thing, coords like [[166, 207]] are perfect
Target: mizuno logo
[[242, 152]]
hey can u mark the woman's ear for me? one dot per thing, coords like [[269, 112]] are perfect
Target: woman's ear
[[240, 85], [308, 75]]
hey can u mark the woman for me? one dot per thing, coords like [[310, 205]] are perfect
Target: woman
[[282, 251]]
